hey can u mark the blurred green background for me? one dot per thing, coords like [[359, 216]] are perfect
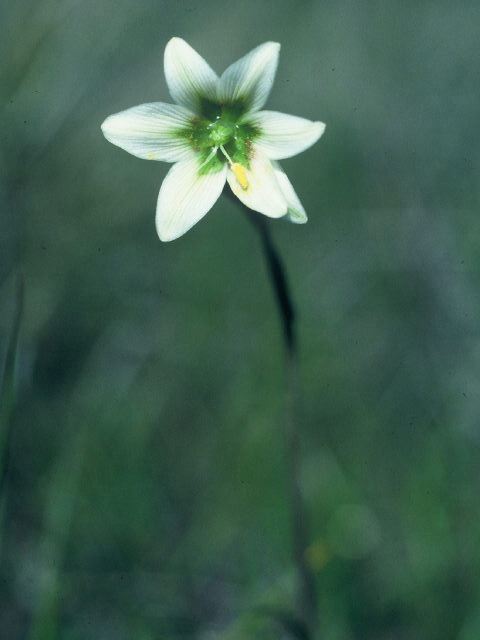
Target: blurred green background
[[143, 479]]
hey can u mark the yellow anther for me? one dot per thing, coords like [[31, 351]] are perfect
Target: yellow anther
[[238, 170], [240, 174]]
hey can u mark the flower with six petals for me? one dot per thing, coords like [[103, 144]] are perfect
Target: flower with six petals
[[216, 133]]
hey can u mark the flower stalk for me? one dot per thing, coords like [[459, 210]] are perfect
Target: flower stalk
[[307, 603]]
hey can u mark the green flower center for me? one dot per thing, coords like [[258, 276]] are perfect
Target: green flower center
[[218, 136], [221, 131]]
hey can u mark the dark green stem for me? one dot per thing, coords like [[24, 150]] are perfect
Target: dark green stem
[[7, 402], [307, 600], [7, 386], [278, 278]]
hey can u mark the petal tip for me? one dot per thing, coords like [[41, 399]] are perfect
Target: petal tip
[[106, 128], [173, 45], [273, 45], [271, 48], [319, 128], [163, 237], [166, 233], [298, 220], [175, 40]]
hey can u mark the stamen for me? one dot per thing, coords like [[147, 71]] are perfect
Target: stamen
[[238, 170], [209, 157], [240, 174], [230, 161]]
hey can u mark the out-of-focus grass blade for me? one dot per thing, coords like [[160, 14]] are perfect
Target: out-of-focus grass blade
[[7, 395], [57, 521]]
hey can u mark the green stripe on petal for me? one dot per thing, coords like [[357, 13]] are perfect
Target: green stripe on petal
[[185, 197], [148, 131], [282, 135]]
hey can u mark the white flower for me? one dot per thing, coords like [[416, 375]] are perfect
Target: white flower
[[216, 132]]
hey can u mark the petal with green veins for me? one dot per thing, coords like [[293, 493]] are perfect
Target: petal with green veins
[[296, 212], [148, 131], [282, 135], [248, 81], [186, 195], [257, 186], [190, 79]]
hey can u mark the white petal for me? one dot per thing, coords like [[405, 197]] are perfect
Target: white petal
[[250, 78], [263, 193], [185, 197], [148, 131], [189, 77], [283, 136], [296, 212]]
